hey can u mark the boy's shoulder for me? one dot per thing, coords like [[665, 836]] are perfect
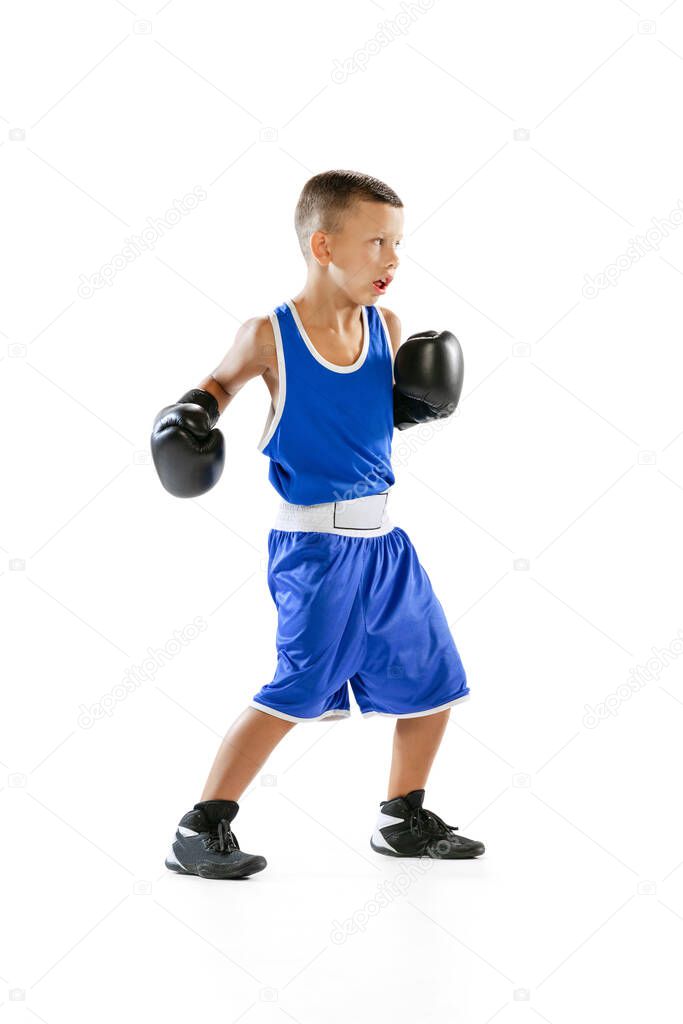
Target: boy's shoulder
[[255, 326], [393, 326], [255, 332], [255, 338]]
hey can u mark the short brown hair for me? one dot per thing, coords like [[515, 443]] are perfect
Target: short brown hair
[[327, 196]]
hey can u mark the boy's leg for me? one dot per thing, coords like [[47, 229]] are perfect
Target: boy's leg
[[243, 752], [416, 741], [404, 827]]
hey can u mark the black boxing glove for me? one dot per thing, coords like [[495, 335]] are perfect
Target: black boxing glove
[[429, 371], [188, 453]]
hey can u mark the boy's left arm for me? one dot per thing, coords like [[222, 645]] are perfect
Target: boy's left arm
[[394, 327]]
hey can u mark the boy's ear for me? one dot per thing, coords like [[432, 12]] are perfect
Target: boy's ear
[[319, 248]]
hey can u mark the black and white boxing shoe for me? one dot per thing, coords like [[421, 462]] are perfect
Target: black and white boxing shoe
[[406, 829], [205, 844]]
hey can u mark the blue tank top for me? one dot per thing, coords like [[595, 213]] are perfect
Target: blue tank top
[[329, 439]]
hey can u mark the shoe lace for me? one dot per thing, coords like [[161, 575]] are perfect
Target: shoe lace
[[422, 820], [222, 838]]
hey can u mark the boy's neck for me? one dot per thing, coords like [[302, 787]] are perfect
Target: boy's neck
[[326, 308]]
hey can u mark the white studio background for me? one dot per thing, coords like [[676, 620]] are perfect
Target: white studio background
[[535, 147]]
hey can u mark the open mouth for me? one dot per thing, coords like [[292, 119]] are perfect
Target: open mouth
[[381, 284]]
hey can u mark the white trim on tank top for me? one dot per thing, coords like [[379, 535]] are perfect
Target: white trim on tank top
[[316, 355], [275, 415], [387, 336]]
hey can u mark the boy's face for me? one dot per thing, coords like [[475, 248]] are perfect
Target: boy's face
[[364, 251]]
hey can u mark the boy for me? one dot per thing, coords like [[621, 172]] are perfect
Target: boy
[[354, 604]]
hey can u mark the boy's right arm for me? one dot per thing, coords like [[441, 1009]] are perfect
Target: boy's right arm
[[251, 355], [188, 452]]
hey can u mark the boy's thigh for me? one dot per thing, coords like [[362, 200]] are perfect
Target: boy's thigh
[[314, 580], [411, 663]]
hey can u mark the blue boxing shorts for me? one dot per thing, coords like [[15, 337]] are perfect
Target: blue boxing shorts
[[354, 606]]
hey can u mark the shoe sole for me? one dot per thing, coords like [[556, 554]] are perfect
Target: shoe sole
[[257, 864], [420, 856]]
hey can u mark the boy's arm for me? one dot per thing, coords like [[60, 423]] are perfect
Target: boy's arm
[[188, 452], [252, 354], [394, 327]]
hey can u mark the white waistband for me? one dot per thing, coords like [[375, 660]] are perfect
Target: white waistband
[[357, 517]]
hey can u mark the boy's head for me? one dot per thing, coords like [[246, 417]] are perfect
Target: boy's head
[[350, 226]]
